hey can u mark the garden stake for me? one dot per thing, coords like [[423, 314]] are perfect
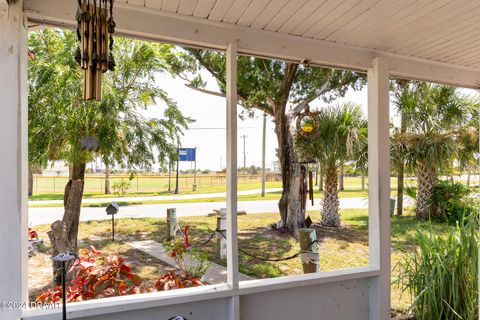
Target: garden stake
[[112, 210], [64, 257]]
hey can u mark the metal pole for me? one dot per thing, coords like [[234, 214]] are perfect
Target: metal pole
[[169, 176], [263, 152], [64, 294], [176, 179], [195, 170], [113, 227], [244, 137]]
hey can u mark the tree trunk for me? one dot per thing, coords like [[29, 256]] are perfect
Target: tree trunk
[[401, 166], [363, 181], [400, 188], [107, 179], [320, 185], [331, 204], [342, 174], [293, 200], [468, 178], [426, 180], [30, 182], [63, 234]]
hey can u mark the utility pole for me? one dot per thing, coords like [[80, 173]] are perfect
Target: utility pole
[[263, 151], [244, 137]]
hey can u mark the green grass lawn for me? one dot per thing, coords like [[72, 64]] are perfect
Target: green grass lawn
[[341, 248]]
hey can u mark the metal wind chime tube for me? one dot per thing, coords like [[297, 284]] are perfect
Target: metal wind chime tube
[[95, 27]]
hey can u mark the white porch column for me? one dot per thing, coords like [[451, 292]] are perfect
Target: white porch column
[[232, 245], [379, 187], [13, 159]]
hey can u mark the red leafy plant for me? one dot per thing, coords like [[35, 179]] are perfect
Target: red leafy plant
[[97, 276], [32, 234], [191, 262], [172, 280]]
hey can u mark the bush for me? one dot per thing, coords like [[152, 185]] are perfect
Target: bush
[[441, 276], [120, 188], [191, 261], [451, 201], [97, 277]]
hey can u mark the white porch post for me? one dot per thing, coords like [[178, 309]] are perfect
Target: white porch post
[[232, 245], [379, 187], [13, 160]]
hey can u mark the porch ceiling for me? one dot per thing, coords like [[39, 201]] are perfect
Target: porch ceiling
[[440, 30], [436, 40]]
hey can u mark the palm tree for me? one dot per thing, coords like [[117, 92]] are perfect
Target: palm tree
[[434, 117], [340, 136]]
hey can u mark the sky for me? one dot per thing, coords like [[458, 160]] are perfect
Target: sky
[[208, 132]]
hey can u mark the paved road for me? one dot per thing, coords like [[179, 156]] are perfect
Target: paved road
[[161, 198], [49, 215]]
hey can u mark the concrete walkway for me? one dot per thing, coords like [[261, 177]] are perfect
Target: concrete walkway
[[216, 274], [38, 216]]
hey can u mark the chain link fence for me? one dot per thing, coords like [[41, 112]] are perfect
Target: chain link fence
[[148, 183]]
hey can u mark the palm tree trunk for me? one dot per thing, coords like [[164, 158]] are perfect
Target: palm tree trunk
[[331, 204], [426, 180], [320, 183], [363, 181], [468, 178], [400, 188], [342, 174]]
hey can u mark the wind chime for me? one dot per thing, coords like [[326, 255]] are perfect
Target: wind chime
[[95, 30], [307, 124]]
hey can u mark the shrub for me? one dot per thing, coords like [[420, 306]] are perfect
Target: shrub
[[451, 201], [441, 276], [97, 277], [191, 261], [172, 280], [120, 188]]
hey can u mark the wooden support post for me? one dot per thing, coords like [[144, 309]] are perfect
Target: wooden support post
[[171, 223], [231, 95], [14, 163], [309, 247], [379, 188], [221, 241]]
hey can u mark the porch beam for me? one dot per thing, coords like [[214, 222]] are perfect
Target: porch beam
[[379, 187], [152, 24], [13, 164]]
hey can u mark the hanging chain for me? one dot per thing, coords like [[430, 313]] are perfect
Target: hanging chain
[[78, 54], [111, 30]]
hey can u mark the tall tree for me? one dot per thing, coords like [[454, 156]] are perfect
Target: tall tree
[[436, 119], [341, 136], [398, 159], [59, 118], [281, 90]]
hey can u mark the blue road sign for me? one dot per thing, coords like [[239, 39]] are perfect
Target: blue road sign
[[187, 154]]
